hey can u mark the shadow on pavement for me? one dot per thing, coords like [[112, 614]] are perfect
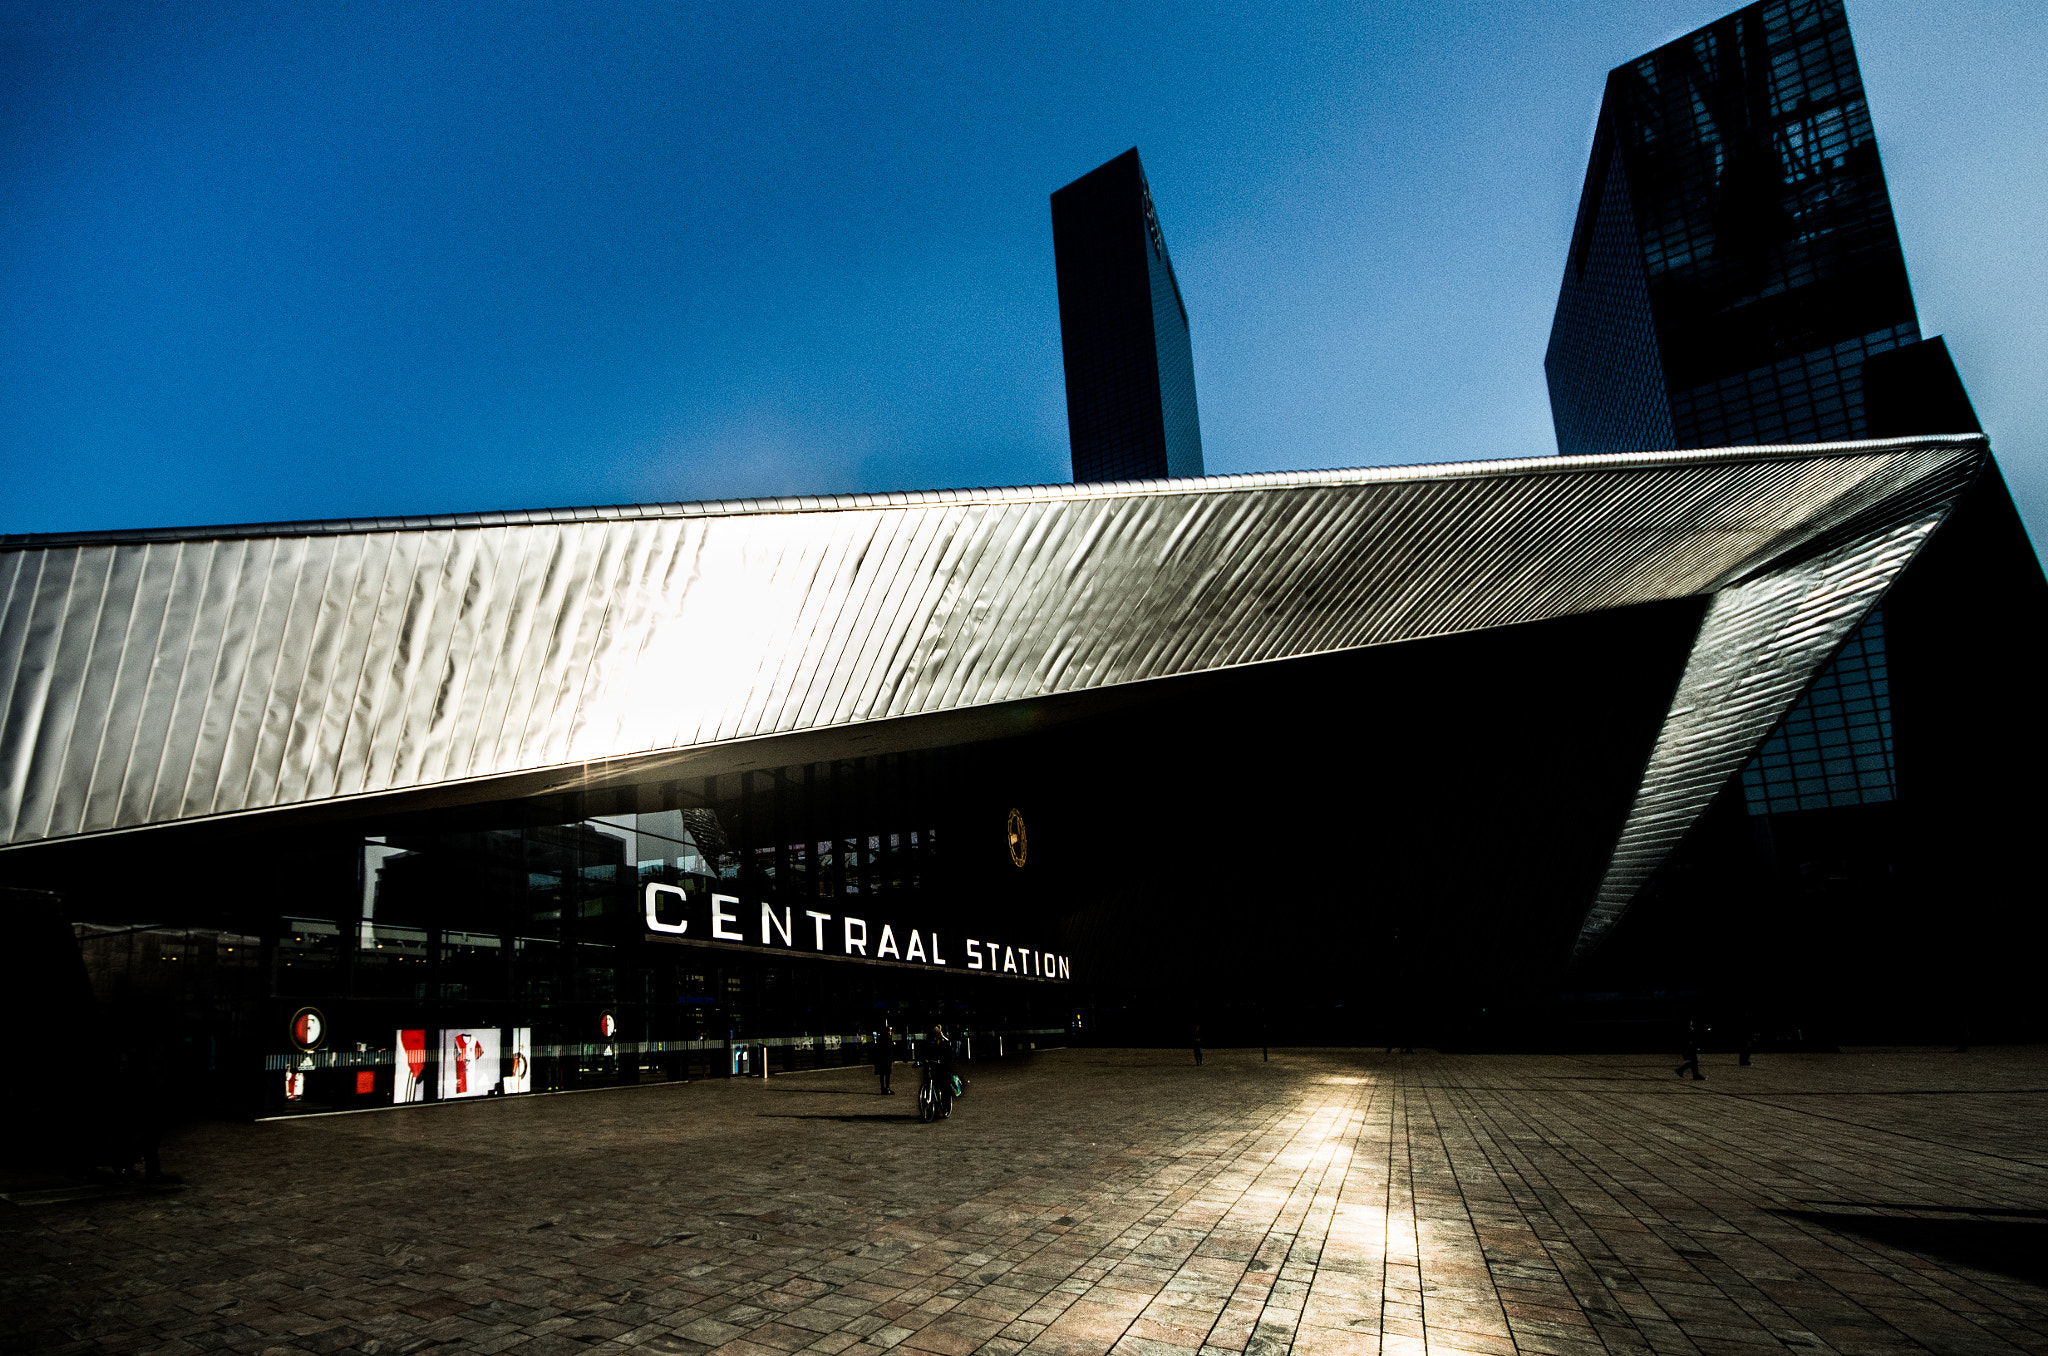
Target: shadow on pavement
[[1999, 1210], [798, 1116], [88, 1191], [2007, 1247]]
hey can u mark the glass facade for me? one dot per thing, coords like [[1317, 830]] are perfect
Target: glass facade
[[1124, 335], [1813, 397], [675, 929], [1606, 380], [1835, 747], [1735, 259]]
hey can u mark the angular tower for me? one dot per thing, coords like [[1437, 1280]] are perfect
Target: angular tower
[[1735, 277], [1735, 261], [1123, 331]]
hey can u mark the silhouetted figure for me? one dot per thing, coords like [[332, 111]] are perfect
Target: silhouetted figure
[[1198, 1047], [1748, 1044], [885, 1058], [1690, 1049], [939, 1052], [145, 1088]]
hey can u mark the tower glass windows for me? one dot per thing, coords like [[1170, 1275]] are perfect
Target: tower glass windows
[[1123, 331], [1835, 747], [1735, 259]]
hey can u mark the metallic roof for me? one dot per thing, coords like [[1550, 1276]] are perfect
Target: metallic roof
[[159, 676]]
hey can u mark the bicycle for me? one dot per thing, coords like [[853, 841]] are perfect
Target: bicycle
[[934, 1094]]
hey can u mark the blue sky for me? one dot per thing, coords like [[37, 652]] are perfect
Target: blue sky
[[296, 260]]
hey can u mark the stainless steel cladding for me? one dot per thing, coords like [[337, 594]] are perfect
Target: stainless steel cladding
[[1759, 645], [163, 676]]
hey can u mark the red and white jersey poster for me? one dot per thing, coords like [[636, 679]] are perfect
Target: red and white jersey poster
[[409, 1079], [519, 1070], [469, 1063]]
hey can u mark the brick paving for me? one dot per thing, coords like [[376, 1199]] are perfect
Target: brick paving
[[1084, 1202]]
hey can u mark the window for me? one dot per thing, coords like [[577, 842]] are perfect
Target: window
[[1835, 747]]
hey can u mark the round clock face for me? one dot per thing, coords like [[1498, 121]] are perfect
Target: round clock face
[[1020, 843], [309, 1028]]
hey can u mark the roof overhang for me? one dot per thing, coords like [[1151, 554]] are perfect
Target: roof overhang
[[169, 676]]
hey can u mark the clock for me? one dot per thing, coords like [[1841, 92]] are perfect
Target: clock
[[1020, 843]]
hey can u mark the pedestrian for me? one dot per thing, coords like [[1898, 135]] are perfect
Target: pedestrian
[[939, 1052], [145, 1081], [1690, 1049], [1198, 1045], [884, 1052]]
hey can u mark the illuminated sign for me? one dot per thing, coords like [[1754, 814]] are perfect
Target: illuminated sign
[[409, 1079], [309, 1028], [519, 1071], [716, 921], [469, 1063]]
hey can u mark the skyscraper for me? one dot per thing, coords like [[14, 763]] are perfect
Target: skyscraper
[[1123, 331], [1735, 277], [1734, 261]]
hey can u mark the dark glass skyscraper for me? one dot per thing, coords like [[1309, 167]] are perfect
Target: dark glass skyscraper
[[1734, 261], [1735, 277], [1123, 331]]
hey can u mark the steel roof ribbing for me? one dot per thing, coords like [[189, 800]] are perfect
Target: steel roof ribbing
[[162, 676]]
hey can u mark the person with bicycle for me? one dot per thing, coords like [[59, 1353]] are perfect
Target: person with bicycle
[[935, 1094]]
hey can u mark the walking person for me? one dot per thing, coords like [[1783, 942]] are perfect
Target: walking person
[[1198, 1045], [1690, 1048], [884, 1053], [938, 1054]]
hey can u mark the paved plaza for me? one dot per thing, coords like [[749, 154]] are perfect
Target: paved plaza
[[1086, 1201]]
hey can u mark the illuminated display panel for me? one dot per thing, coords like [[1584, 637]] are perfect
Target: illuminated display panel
[[469, 1063]]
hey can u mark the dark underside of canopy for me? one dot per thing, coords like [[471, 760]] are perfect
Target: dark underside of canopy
[[1349, 839]]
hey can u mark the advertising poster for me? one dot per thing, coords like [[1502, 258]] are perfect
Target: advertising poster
[[519, 1068], [409, 1078], [469, 1063]]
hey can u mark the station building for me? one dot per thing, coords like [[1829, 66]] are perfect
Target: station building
[[331, 815], [346, 813]]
